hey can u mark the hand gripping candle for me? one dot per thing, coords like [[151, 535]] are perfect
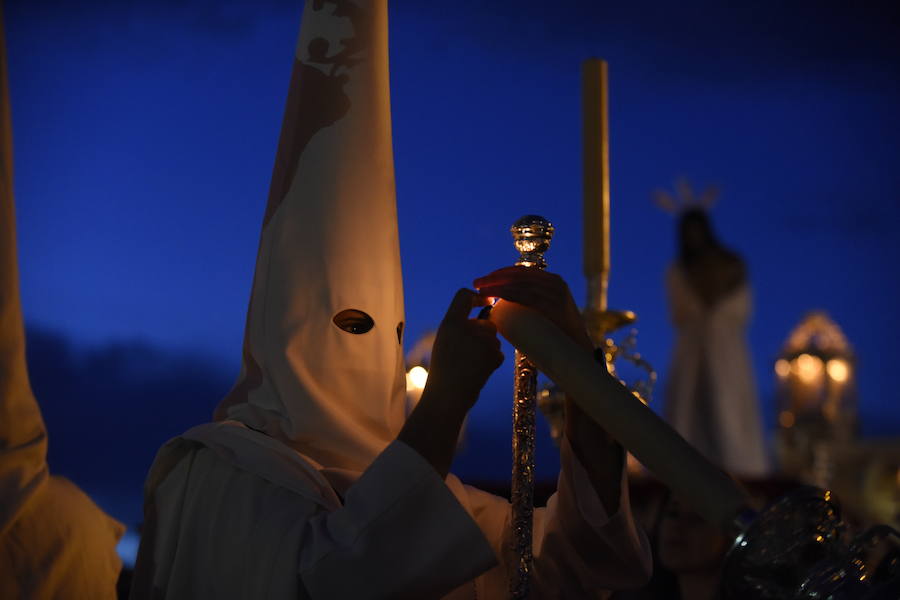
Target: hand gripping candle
[[642, 432]]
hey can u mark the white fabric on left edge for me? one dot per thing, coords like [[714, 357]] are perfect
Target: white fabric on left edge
[[54, 541]]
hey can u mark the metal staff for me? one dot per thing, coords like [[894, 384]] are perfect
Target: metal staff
[[531, 235]]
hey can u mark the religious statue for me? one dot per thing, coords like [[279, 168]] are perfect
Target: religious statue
[[711, 393]]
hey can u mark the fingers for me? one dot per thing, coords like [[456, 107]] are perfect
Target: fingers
[[519, 274], [461, 304], [548, 297], [485, 330], [498, 359], [468, 348], [535, 296], [479, 300]]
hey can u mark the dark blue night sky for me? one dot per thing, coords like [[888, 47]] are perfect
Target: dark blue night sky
[[145, 134]]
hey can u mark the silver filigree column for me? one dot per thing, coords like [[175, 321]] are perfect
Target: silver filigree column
[[532, 236]]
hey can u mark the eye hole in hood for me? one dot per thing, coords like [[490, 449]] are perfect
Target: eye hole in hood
[[354, 321]]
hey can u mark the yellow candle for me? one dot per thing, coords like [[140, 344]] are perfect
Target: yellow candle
[[595, 153]]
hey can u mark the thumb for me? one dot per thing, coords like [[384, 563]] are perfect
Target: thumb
[[462, 303]]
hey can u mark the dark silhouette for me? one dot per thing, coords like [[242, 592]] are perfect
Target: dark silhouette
[[712, 270]]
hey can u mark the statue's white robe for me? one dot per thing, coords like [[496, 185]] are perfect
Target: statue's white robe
[[711, 394], [232, 513]]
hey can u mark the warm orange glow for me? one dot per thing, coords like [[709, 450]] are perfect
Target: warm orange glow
[[782, 367], [786, 419], [807, 367], [416, 378], [838, 370]]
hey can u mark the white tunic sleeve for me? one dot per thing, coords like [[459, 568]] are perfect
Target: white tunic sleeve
[[580, 551], [214, 530], [400, 534]]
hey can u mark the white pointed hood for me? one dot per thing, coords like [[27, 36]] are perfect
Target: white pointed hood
[[329, 243], [23, 439]]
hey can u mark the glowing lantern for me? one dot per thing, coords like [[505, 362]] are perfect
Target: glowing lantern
[[817, 402], [808, 368], [782, 367], [838, 369]]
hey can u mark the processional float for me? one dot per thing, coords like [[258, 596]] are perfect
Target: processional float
[[794, 549]]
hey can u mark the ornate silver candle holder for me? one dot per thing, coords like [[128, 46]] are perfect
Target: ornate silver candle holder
[[797, 549]]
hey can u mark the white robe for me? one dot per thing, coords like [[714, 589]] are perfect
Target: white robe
[[232, 513], [54, 541], [61, 546], [711, 392]]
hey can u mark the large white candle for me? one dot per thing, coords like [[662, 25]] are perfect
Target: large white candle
[[711, 491]]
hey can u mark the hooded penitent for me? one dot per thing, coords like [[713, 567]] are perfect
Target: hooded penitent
[[54, 542], [231, 513], [23, 440], [323, 362]]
